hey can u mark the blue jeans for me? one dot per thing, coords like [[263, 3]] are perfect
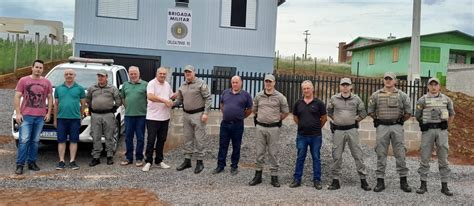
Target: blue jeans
[[230, 131], [134, 125], [314, 143], [30, 130]]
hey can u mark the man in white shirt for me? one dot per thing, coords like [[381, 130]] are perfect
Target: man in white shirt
[[159, 94]]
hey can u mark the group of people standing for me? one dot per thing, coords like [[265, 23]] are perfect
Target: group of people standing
[[148, 104]]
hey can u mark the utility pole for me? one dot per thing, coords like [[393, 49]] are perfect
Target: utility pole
[[414, 65], [306, 33]]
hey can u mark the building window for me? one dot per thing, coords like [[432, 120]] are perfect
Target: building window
[[222, 78], [395, 54], [123, 9], [430, 54], [372, 56], [182, 3], [457, 58], [239, 13]]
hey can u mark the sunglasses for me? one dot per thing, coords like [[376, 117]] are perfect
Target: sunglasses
[[388, 78], [268, 81]]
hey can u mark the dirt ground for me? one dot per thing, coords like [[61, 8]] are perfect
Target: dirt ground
[[79, 197]]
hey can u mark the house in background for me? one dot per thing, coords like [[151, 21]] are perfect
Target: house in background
[[345, 56], [223, 35], [437, 51]]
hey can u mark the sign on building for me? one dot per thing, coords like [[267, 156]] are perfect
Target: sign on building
[[179, 27]]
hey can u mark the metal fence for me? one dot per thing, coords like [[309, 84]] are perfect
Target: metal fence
[[290, 85]]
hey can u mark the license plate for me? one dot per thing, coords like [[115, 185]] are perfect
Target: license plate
[[48, 134]]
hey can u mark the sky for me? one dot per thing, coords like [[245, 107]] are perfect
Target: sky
[[328, 21]]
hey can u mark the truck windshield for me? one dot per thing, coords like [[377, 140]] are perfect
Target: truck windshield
[[84, 77]]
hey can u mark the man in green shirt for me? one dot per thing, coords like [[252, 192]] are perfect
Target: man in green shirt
[[135, 101], [68, 106]]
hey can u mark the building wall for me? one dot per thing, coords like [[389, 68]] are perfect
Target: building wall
[[366, 130], [459, 77], [383, 59], [150, 30], [179, 59]]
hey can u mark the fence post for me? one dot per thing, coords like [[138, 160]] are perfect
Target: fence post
[[294, 63], [278, 59], [36, 45], [315, 65], [51, 49], [15, 61]]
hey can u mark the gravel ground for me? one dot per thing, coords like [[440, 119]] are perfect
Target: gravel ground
[[187, 188]]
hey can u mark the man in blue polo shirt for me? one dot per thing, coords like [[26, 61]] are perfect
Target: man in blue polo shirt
[[236, 105], [68, 107]]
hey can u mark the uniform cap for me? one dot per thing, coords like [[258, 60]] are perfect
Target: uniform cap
[[390, 74], [345, 81], [270, 77], [433, 79], [189, 68], [102, 72]]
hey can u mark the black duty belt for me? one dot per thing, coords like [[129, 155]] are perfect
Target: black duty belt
[[344, 127], [103, 111], [442, 125], [194, 111], [275, 124], [389, 121]]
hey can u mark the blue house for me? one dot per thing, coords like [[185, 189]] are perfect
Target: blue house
[[223, 35]]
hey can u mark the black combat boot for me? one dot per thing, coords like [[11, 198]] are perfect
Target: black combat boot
[[199, 167], [275, 182], [404, 184], [257, 179], [422, 188], [334, 185], [19, 169], [94, 162], [364, 185], [185, 165], [445, 189], [380, 185]]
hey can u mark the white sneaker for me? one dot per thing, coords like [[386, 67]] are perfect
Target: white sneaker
[[164, 166], [146, 168]]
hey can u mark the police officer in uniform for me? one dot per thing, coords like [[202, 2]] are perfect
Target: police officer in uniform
[[270, 108], [103, 99], [196, 98], [346, 111], [433, 111], [390, 108]]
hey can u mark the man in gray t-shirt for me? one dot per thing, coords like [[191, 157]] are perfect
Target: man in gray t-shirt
[[103, 99], [196, 98], [270, 107], [346, 111]]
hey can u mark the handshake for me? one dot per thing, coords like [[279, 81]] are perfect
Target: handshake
[[169, 103]]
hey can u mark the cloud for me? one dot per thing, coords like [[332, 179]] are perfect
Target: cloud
[[433, 2], [465, 23]]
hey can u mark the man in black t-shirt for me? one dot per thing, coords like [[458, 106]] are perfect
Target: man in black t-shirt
[[309, 113]]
